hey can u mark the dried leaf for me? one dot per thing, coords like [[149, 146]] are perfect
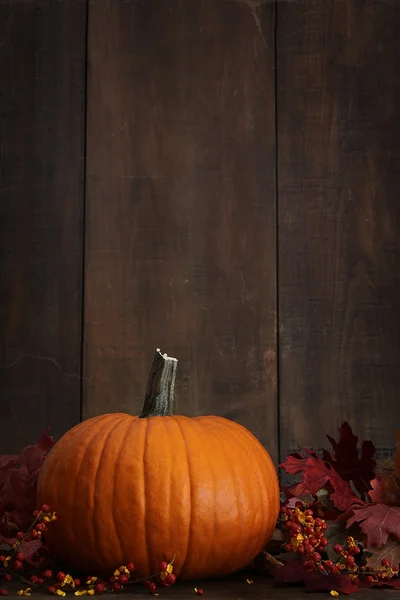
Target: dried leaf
[[337, 533], [348, 463], [390, 550], [377, 521], [316, 475]]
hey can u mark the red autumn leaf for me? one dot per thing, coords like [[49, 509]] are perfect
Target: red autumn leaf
[[377, 491], [377, 521], [18, 479], [390, 551], [346, 460], [316, 475], [294, 572]]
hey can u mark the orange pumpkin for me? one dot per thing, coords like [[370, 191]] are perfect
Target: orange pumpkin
[[146, 488]]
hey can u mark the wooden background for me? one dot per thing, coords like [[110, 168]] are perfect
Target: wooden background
[[218, 178]]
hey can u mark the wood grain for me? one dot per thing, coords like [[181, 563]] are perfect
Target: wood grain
[[339, 219], [181, 215], [235, 588], [42, 68]]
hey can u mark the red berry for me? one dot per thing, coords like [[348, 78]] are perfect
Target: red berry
[[370, 580], [48, 574], [146, 582], [100, 587], [116, 586], [199, 591], [164, 583], [350, 560], [36, 513], [323, 542], [324, 526], [152, 587], [316, 557], [385, 562], [17, 565], [328, 564], [355, 550], [51, 589], [309, 530], [170, 578], [20, 556], [130, 566], [40, 527], [8, 577], [112, 579], [308, 564], [334, 570], [123, 578], [39, 581], [308, 512], [313, 541], [34, 579], [20, 535], [46, 508], [60, 576], [3, 592], [288, 547], [284, 509], [338, 548], [300, 549], [77, 582], [35, 533], [2, 558], [163, 565]]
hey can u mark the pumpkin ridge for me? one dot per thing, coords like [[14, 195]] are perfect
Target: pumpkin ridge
[[50, 464], [95, 482], [146, 525], [232, 472], [115, 487], [210, 549], [264, 463], [227, 430], [254, 458], [190, 492], [77, 478]]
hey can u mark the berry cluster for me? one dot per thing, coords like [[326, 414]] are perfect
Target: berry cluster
[[14, 565], [306, 533], [307, 540]]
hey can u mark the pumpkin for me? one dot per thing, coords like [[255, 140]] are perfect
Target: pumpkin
[[148, 488]]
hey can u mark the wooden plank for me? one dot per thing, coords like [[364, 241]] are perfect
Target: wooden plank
[[339, 219], [232, 588], [42, 84], [181, 207]]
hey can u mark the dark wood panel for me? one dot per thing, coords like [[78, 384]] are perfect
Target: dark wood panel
[[42, 84], [339, 218], [181, 207]]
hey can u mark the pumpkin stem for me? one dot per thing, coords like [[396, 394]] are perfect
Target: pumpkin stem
[[159, 399]]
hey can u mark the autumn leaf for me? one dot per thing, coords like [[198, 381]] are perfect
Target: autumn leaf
[[377, 521], [391, 551], [18, 479], [294, 572], [337, 533], [348, 463], [316, 474]]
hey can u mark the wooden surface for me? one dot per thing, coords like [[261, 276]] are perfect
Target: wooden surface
[[180, 238], [339, 219], [236, 588], [41, 191]]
